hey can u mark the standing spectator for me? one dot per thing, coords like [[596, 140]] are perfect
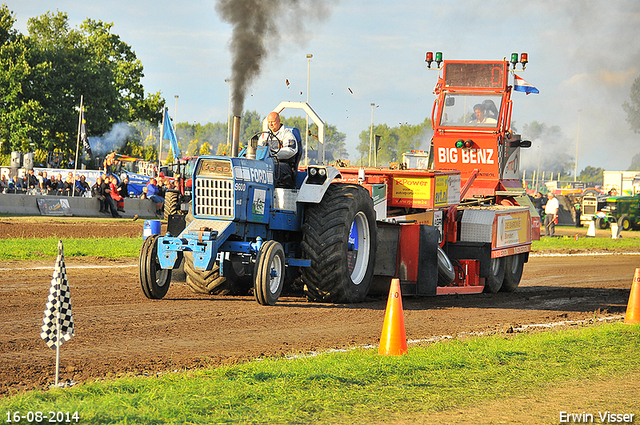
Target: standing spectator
[[106, 191], [115, 195], [551, 217], [537, 203], [96, 192], [152, 194], [40, 178]]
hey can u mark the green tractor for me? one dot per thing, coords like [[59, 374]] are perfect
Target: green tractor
[[623, 210]]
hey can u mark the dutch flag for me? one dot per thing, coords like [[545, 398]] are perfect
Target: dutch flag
[[521, 85]]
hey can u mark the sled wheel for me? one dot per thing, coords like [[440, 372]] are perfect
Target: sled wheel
[[339, 237], [154, 280], [514, 264], [446, 273], [268, 279], [493, 282]]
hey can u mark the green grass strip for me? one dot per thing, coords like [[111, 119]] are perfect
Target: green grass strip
[[33, 249], [36, 248], [585, 243], [354, 387]]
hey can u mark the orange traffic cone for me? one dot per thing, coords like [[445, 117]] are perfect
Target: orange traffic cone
[[633, 306], [393, 341]]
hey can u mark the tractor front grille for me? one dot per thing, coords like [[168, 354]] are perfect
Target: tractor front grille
[[589, 209], [214, 197]]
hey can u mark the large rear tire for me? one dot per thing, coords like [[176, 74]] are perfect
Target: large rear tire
[[514, 264], [154, 280], [171, 203], [339, 237], [268, 279], [624, 223], [493, 282], [208, 282]]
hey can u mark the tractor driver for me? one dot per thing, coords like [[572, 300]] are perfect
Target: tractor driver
[[283, 144], [480, 115]]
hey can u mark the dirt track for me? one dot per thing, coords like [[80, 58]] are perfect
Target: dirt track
[[119, 331]]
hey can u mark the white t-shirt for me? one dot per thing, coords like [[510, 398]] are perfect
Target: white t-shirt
[[285, 135], [552, 206]]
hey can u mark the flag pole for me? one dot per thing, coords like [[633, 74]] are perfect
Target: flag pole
[[164, 109], [75, 170], [57, 332], [58, 326]]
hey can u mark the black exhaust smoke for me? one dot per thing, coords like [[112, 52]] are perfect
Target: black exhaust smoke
[[256, 32]]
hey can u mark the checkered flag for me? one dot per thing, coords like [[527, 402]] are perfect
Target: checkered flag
[[58, 310]]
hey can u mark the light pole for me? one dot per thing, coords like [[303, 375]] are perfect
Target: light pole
[[373, 105], [228, 81], [575, 170], [306, 133]]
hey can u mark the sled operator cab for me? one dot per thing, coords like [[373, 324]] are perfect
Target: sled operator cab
[[471, 120]]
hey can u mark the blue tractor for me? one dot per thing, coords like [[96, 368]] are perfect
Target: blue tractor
[[242, 231]]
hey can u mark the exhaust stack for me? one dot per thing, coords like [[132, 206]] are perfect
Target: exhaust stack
[[235, 141]]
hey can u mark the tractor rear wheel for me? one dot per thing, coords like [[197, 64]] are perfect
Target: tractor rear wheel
[[514, 264], [153, 280], [493, 282], [339, 237], [171, 203], [624, 223], [208, 282], [268, 279]]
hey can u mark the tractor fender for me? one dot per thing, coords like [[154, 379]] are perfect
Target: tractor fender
[[312, 193]]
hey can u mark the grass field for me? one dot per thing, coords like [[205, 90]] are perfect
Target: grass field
[[37, 248], [360, 386]]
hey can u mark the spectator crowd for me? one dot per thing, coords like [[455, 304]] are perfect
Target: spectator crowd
[[109, 192]]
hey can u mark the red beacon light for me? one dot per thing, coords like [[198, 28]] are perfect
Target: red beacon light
[[430, 58], [524, 59], [464, 144]]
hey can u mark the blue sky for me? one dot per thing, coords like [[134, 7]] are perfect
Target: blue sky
[[584, 57]]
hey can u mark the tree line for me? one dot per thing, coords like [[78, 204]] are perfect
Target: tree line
[[44, 73]]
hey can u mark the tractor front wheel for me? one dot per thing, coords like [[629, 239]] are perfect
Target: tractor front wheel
[[154, 280], [268, 279]]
